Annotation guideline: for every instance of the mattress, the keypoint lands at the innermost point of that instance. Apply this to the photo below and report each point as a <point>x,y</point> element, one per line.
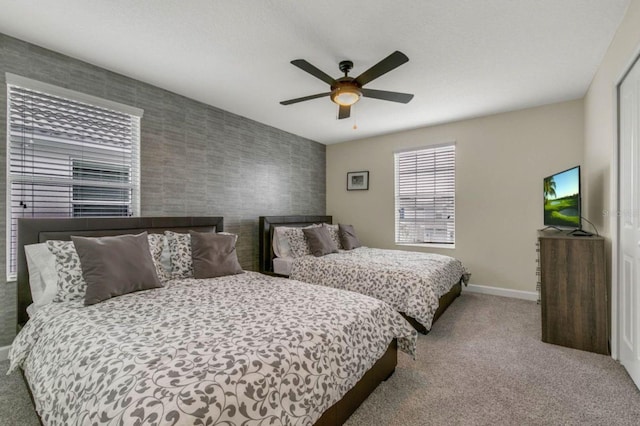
<point>283,265</point>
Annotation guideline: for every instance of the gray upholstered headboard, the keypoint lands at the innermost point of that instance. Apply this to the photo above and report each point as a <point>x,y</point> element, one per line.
<point>32,231</point>
<point>266,226</point>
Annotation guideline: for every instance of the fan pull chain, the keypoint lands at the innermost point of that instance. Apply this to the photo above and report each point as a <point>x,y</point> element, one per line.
<point>355,121</point>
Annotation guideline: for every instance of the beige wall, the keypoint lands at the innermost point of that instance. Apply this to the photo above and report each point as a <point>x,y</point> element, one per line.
<point>600,133</point>
<point>600,111</point>
<point>500,160</point>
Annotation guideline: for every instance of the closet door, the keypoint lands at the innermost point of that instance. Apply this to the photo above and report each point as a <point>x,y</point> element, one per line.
<point>629,224</point>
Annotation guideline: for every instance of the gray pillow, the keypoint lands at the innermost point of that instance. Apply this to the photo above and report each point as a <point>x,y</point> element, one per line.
<point>319,241</point>
<point>348,237</point>
<point>113,266</point>
<point>214,255</point>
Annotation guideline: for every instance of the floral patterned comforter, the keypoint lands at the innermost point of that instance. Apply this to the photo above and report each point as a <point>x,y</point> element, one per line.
<point>411,282</point>
<point>243,349</point>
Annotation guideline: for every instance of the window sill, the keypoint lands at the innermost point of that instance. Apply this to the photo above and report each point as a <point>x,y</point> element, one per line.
<point>427,245</point>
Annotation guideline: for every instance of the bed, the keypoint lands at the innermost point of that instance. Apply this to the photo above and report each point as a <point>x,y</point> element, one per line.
<point>245,348</point>
<point>418,285</point>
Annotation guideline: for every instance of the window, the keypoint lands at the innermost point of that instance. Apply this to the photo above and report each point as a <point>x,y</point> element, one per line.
<point>69,155</point>
<point>91,200</point>
<point>425,195</point>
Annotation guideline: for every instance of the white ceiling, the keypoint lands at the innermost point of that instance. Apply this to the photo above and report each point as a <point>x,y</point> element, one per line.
<point>467,58</point>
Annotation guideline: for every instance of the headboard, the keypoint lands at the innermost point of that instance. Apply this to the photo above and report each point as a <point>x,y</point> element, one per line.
<point>266,226</point>
<point>33,231</point>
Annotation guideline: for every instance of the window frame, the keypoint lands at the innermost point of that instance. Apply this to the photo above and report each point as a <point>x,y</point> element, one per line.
<point>12,80</point>
<point>434,244</point>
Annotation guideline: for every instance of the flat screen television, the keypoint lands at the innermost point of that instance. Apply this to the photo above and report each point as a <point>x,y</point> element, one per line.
<point>562,199</point>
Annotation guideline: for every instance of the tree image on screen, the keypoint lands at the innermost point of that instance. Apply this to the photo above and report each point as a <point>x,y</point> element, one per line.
<point>562,199</point>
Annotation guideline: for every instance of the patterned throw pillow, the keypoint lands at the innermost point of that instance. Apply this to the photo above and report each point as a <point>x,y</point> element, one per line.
<point>297,241</point>
<point>334,233</point>
<point>235,236</point>
<point>71,285</point>
<point>156,246</point>
<point>180,252</point>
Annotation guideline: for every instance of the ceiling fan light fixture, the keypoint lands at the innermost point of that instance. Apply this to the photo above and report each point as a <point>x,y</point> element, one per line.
<point>346,91</point>
<point>346,96</point>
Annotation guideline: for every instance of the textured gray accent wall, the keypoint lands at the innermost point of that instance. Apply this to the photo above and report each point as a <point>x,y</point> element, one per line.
<point>195,159</point>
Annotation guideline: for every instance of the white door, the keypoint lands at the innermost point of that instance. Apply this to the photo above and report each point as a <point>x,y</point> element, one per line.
<point>629,224</point>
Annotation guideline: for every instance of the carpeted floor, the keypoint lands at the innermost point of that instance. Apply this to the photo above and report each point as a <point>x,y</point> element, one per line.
<point>482,364</point>
<point>15,405</point>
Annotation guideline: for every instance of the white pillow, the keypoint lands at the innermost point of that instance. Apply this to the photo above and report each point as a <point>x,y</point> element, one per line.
<point>230,233</point>
<point>165,258</point>
<point>43,276</point>
<point>280,243</point>
<point>31,310</point>
<point>157,245</point>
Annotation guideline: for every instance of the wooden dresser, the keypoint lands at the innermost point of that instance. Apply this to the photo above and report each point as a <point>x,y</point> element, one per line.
<point>573,291</point>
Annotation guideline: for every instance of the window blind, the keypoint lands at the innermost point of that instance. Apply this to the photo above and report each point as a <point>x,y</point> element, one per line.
<point>425,195</point>
<point>68,158</point>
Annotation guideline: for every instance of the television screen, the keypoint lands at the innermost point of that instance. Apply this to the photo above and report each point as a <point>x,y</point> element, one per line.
<point>562,199</point>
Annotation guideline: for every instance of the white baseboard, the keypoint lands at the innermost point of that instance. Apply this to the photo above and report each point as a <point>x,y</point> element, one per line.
<point>4,352</point>
<point>504,292</point>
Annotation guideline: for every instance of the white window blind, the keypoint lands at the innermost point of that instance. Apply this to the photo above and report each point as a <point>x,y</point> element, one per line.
<point>425,195</point>
<point>68,158</point>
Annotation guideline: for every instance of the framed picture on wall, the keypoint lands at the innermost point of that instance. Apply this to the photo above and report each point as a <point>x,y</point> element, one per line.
<point>357,181</point>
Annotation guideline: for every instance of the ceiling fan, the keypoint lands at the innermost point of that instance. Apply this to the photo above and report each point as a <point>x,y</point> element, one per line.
<point>346,91</point>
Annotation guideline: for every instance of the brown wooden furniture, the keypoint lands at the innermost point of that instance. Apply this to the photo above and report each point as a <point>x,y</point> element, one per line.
<point>574,291</point>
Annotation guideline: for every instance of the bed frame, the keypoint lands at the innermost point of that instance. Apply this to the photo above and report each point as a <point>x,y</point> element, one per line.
<point>267,225</point>
<point>33,231</point>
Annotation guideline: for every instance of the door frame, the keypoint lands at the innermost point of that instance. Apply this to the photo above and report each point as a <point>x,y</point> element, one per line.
<point>614,211</point>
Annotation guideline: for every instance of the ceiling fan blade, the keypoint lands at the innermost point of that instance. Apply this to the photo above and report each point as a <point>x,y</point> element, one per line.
<point>384,66</point>
<point>403,98</point>
<point>306,66</point>
<point>306,98</point>
<point>344,111</point>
